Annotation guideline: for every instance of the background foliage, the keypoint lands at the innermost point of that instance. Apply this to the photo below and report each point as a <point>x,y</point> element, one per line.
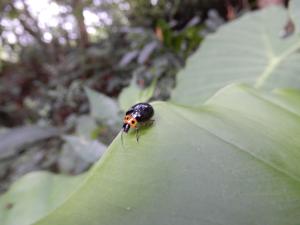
<point>252,156</point>
<point>51,54</point>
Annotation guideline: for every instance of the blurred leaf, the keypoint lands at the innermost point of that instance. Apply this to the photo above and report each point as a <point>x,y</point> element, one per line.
<point>193,37</point>
<point>248,50</point>
<point>166,32</point>
<point>134,94</point>
<point>231,165</point>
<point>81,150</point>
<point>15,138</point>
<point>85,127</point>
<point>128,57</point>
<point>182,42</point>
<point>96,52</point>
<point>102,107</point>
<point>294,9</point>
<point>69,161</point>
<point>34,196</point>
<point>89,150</point>
<point>147,51</point>
<point>13,14</point>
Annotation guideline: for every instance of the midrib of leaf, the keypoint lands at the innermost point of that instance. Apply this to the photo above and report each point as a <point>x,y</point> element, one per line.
<point>274,61</point>
<point>241,149</point>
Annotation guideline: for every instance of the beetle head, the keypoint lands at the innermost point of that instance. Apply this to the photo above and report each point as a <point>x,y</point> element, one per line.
<point>126,127</point>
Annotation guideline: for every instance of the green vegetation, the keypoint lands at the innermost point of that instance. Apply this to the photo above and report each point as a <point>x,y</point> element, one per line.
<point>223,150</point>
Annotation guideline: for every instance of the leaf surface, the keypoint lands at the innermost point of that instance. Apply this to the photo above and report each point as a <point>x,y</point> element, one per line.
<point>233,166</point>
<point>34,196</point>
<point>248,50</point>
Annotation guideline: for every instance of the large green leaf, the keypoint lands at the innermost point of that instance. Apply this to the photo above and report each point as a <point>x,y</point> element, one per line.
<point>248,50</point>
<point>234,160</point>
<point>34,196</point>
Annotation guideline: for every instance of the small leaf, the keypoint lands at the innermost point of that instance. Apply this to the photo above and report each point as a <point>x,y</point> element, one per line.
<point>89,150</point>
<point>86,126</point>
<point>128,57</point>
<point>15,138</point>
<point>134,94</point>
<point>147,51</point>
<point>294,9</point>
<point>102,107</point>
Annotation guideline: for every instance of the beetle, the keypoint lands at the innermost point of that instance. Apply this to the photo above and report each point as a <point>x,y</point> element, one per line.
<point>138,115</point>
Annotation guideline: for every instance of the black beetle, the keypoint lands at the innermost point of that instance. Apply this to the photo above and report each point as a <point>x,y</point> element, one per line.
<point>137,115</point>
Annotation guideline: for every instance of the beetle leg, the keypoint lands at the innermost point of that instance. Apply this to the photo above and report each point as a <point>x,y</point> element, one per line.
<point>147,123</point>
<point>137,134</point>
<point>151,122</point>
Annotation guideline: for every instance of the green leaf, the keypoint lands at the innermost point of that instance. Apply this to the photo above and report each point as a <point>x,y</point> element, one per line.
<point>288,98</point>
<point>294,8</point>
<point>103,108</point>
<point>85,126</point>
<point>87,149</point>
<point>134,94</point>
<point>15,138</point>
<point>248,50</point>
<point>234,160</point>
<point>34,196</point>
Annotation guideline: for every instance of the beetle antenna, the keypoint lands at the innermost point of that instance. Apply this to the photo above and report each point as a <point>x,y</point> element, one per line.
<point>122,139</point>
